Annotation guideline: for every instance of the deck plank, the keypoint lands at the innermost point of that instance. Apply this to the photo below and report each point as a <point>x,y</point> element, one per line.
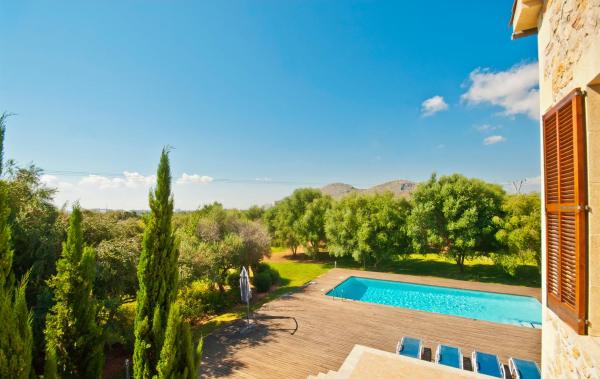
<point>309,332</point>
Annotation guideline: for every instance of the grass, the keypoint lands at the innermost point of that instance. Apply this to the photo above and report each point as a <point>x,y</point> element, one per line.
<point>293,276</point>
<point>481,269</point>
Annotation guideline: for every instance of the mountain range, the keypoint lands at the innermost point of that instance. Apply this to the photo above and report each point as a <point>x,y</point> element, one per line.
<point>401,188</point>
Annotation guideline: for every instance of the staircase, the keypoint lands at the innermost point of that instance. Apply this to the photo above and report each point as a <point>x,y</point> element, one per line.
<point>366,362</point>
<point>330,374</point>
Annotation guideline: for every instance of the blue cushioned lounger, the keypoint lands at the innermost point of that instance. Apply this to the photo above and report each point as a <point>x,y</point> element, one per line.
<point>522,369</point>
<point>449,356</point>
<point>410,347</point>
<point>487,364</point>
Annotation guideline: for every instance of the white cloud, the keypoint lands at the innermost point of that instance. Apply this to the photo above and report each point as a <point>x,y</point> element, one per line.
<point>49,180</point>
<point>128,180</point>
<point>433,105</point>
<point>515,90</point>
<point>193,179</point>
<point>493,139</point>
<point>53,182</point>
<point>487,127</point>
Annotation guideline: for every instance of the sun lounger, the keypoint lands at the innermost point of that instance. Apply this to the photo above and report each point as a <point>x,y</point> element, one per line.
<point>487,364</point>
<point>449,356</point>
<point>410,347</point>
<point>522,369</point>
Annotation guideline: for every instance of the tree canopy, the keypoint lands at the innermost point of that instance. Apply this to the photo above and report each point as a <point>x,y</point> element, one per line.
<point>16,337</point>
<point>520,230</point>
<point>369,227</point>
<point>215,240</point>
<point>298,219</point>
<point>454,215</point>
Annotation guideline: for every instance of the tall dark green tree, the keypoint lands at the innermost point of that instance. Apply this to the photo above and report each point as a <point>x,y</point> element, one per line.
<point>16,338</point>
<point>177,359</point>
<point>157,276</point>
<point>74,341</point>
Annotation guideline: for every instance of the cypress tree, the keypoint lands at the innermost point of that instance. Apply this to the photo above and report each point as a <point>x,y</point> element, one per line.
<point>177,359</point>
<point>74,344</point>
<point>157,276</point>
<point>16,338</point>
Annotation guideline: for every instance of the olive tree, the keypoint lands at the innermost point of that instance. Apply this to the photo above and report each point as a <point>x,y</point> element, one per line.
<point>368,227</point>
<point>215,240</point>
<point>311,226</point>
<point>299,219</point>
<point>520,231</point>
<point>454,215</point>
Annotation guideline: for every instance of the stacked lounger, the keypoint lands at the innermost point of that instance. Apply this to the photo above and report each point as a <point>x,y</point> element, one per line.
<point>410,347</point>
<point>483,363</point>
<point>487,364</point>
<point>449,356</point>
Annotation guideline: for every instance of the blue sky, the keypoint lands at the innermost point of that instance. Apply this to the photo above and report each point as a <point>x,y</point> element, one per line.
<point>258,98</point>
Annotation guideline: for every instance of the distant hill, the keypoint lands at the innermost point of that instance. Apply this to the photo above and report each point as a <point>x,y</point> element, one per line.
<point>401,188</point>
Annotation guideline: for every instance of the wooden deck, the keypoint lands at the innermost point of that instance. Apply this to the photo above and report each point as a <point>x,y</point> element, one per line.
<point>307,332</point>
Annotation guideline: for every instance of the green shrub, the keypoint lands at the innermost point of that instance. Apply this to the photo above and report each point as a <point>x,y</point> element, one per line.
<point>275,277</point>
<point>262,267</point>
<point>262,281</point>
<point>233,279</point>
<point>200,299</point>
<point>119,331</point>
<point>273,273</point>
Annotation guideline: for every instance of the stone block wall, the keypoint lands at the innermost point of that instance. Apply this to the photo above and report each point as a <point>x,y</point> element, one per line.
<point>569,58</point>
<point>572,25</point>
<point>566,354</point>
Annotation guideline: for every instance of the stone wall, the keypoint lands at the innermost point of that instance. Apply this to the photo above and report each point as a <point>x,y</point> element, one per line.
<point>566,355</point>
<point>569,58</point>
<point>572,26</point>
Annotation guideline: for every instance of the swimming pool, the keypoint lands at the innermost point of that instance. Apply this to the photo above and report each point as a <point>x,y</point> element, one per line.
<point>488,306</point>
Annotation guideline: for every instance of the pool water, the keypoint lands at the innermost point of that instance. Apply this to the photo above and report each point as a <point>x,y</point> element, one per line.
<point>488,306</point>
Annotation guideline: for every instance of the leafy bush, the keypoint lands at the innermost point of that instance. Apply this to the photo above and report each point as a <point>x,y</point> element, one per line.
<point>200,299</point>
<point>263,281</point>
<point>262,267</point>
<point>120,329</point>
<point>275,277</point>
<point>233,279</point>
<point>514,265</point>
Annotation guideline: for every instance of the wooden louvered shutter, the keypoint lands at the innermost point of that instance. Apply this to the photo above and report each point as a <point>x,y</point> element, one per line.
<point>566,206</point>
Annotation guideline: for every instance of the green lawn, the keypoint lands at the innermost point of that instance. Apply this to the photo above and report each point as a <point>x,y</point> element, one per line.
<point>481,269</point>
<point>293,276</point>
